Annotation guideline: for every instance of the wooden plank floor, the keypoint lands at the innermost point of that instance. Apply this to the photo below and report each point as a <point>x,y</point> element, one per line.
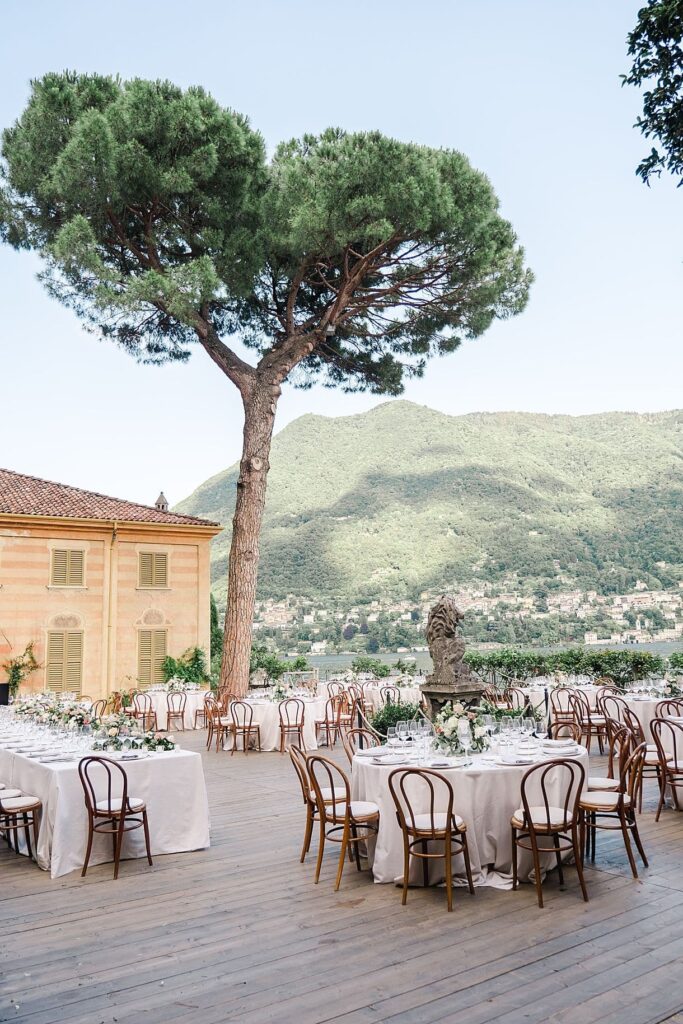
<point>240,933</point>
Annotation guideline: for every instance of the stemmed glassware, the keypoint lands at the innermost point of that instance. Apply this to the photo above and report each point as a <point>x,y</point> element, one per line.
<point>465,735</point>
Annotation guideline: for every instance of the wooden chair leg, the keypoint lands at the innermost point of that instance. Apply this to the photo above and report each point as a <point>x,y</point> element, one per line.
<point>558,858</point>
<point>448,858</point>
<point>118,837</point>
<point>627,843</point>
<point>537,867</point>
<point>145,828</point>
<point>27,835</point>
<point>307,834</point>
<point>578,859</point>
<point>515,880</point>
<point>639,845</point>
<point>468,866</point>
<point>89,846</point>
<point>342,857</point>
<point>321,849</point>
<point>406,869</point>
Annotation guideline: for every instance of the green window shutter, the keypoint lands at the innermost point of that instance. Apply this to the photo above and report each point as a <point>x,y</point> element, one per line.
<point>75,568</point>
<point>73,666</point>
<point>145,656</point>
<point>60,568</point>
<point>160,569</point>
<point>68,568</point>
<point>146,569</point>
<point>158,655</point>
<point>54,662</point>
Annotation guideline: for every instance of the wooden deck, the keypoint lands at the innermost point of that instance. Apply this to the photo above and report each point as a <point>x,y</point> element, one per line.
<point>240,933</point>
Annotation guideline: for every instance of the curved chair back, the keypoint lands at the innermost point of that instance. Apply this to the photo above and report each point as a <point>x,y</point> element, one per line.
<point>518,698</point>
<point>390,695</point>
<point>292,712</point>
<point>612,706</point>
<point>331,788</point>
<point>298,759</point>
<point>632,722</point>
<point>334,689</point>
<point>142,702</point>
<point>422,787</point>
<point>671,708</point>
<point>539,779</point>
<point>176,701</point>
<point>560,701</point>
<point>99,707</point>
<point>668,736</point>
<point>242,713</point>
<point>101,775</point>
<point>358,739</point>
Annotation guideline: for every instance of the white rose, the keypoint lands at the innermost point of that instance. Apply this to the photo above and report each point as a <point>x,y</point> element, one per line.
<point>458,708</point>
<point>479,731</point>
<point>113,731</point>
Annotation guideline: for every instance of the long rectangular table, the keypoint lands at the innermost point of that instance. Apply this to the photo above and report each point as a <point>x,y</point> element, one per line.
<point>171,784</point>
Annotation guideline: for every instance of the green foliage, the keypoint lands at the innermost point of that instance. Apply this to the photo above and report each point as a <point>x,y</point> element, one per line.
<point>656,45</point>
<point>391,714</point>
<point>262,658</point>
<point>406,668</point>
<point>676,661</point>
<point>597,494</point>
<point>509,666</point>
<point>190,666</point>
<point>20,668</point>
<point>161,224</point>
<point>298,664</point>
<point>216,632</point>
<point>372,666</point>
<point>141,198</point>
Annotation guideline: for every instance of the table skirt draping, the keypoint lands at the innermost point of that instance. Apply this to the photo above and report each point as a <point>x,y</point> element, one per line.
<point>486,796</point>
<point>195,702</point>
<point>170,783</point>
<point>408,694</point>
<point>267,716</point>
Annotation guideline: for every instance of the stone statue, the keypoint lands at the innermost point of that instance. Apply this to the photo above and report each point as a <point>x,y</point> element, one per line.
<point>451,678</point>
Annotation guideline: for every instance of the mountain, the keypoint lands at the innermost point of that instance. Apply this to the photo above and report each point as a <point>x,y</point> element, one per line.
<point>402,499</point>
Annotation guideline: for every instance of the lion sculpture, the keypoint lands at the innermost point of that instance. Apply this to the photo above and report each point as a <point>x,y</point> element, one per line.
<point>446,647</point>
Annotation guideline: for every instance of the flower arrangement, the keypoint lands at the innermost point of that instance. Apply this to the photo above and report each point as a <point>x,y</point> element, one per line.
<point>118,730</point>
<point>280,692</point>
<point>487,707</point>
<point>157,741</point>
<point>673,690</point>
<point>446,728</point>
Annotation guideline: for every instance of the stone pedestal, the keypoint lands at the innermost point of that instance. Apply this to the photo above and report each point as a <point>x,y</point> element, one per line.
<point>438,695</point>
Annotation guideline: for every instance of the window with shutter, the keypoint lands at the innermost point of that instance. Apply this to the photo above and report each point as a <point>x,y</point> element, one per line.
<point>64,661</point>
<point>153,569</point>
<point>152,648</point>
<point>68,567</point>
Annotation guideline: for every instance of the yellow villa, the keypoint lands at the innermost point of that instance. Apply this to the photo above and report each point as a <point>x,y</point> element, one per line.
<point>104,588</point>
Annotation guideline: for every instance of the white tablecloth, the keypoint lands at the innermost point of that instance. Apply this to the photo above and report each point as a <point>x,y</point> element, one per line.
<point>195,702</point>
<point>267,716</point>
<point>171,784</point>
<point>409,694</point>
<point>537,695</point>
<point>486,796</point>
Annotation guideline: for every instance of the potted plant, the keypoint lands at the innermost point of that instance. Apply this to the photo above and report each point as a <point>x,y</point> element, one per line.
<point>17,670</point>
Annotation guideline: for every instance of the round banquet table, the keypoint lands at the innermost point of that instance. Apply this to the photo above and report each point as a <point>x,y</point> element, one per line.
<point>409,694</point>
<point>486,796</point>
<point>267,716</point>
<point>645,710</point>
<point>195,702</point>
<point>537,695</point>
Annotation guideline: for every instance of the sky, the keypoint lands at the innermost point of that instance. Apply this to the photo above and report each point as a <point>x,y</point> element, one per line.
<point>529,91</point>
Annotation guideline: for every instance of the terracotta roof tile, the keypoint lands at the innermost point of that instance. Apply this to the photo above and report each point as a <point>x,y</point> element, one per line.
<point>30,496</point>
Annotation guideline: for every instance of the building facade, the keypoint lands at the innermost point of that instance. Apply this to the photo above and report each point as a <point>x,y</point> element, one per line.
<point>104,588</point>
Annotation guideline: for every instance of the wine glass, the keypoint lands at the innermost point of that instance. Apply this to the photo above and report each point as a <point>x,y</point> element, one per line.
<point>506,729</point>
<point>402,732</point>
<point>465,735</point>
<point>392,739</point>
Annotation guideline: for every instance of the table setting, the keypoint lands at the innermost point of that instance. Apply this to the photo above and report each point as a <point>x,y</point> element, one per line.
<point>266,708</point>
<point>485,760</point>
<point>41,757</point>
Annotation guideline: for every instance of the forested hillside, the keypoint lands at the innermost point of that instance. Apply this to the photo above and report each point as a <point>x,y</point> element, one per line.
<point>403,498</point>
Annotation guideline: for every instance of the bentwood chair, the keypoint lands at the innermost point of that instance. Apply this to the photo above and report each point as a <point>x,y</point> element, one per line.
<point>592,723</point>
<point>143,711</point>
<point>242,715</point>
<point>652,768</point>
<point>668,735</point>
<point>201,718</point>
<point>175,709</point>
<point>334,689</point>
<point>616,811</point>
<point>330,723</point>
<point>619,744</point>
<point>423,830</point>
<point>292,716</point>
<point>300,762</point>
<point>539,818</point>
<point>612,705</point>
<point>358,739</point>
<point>561,711</point>
<point>111,809</point>
<point>342,820</point>
<point>390,695</point>
<point>669,708</point>
<point>98,708</point>
<point>518,698</point>
<point>18,812</point>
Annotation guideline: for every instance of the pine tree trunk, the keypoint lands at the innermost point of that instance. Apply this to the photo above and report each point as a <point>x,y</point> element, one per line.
<point>259,419</point>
